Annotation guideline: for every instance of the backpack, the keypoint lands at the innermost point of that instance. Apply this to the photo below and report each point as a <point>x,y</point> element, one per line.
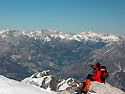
<point>85,86</point>
<point>104,73</point>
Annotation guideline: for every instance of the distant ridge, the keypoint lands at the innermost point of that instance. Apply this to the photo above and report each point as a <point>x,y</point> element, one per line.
<point>47,35</point>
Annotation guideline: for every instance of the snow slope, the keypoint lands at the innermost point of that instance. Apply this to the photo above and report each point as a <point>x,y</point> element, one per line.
<point>8,86</point>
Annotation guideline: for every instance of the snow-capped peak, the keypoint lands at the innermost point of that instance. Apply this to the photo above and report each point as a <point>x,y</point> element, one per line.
<point>48,35</point>
<point>48,80</point>
<point>95,37</point>
<point>2,31</point>
<point>42,74</point>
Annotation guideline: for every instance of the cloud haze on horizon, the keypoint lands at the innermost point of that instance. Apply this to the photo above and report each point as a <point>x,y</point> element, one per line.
<point>101,16</point>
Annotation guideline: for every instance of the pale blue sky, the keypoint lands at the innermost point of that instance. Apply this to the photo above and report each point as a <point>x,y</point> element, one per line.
<point>106,16</point>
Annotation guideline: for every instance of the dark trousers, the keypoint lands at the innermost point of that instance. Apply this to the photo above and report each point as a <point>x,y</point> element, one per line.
<point>89,77</point>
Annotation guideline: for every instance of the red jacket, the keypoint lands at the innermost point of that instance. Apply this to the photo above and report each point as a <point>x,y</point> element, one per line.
<point>97,74</point>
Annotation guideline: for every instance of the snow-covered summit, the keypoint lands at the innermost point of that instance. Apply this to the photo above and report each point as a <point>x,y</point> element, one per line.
<point>95,37</point>
<point>48,35</point>
<point>48,80</point>
<point>2,31</point>
<point>42,74</point>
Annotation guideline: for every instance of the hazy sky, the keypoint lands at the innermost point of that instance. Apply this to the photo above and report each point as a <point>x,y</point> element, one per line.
<point>106,16</point>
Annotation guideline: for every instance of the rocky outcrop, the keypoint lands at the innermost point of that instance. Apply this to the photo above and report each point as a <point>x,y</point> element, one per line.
<point>48,80</point>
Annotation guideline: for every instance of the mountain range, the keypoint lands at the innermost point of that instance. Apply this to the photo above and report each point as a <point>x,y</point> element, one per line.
<point>68,55</point>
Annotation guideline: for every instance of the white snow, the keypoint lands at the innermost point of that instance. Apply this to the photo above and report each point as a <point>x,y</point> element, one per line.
<point>66,83</point>
<point>38,81</point>
<point>63,85</point>
<point>2,31</point>
<point>95,37</point>
<point>8,86</point>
